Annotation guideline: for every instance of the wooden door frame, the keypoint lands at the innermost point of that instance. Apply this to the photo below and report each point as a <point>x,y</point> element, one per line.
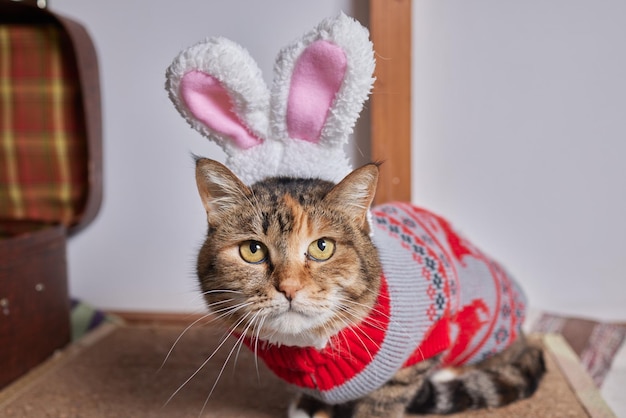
<point>390,31</point>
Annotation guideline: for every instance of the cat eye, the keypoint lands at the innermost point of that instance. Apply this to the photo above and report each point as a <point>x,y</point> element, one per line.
<point>321,249</point>
<point>253,252</point>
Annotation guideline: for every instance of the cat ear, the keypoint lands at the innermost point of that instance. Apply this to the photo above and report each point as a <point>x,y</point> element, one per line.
<point>219,188</point>
<point>218,88</point>
<point>320,85</point>
<point>355,193</point>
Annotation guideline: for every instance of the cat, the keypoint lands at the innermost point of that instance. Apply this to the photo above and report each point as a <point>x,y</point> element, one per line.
<point>318,283</point>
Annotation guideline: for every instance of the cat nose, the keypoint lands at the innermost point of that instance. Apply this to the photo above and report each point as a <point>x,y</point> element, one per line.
<point>289,287</point>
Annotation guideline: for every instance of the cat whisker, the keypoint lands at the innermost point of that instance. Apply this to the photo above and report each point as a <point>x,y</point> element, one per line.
<point>331,331</point>
<point>357,316</point>
<point>256,347</point>
<point>373,324</point>
<point>345,339</point>
<point>208,292</point>
<point>200,295</point>
<point>238,343</point>
<point>228,310</point>
<point>232,330</point>
<point>167,356</point>
<point>343,336</point>
<point>359,338</point>
<point>392,320</point>
<point>243,335</point>
<point>203,317</point>
<point>219,302</point>
<point>355,303</point>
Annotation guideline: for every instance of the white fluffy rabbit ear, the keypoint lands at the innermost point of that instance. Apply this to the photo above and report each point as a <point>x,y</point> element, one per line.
<point>218,88</point>
<point>320,85</point>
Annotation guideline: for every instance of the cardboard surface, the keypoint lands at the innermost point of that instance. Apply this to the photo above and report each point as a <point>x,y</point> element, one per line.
<point>116,372</point>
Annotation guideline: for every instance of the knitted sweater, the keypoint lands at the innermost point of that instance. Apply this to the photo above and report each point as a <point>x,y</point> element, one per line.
<point>439,295</point>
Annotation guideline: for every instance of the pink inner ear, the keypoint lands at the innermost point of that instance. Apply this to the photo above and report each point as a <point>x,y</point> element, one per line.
<point>316,79</point>
<point>210,103</point>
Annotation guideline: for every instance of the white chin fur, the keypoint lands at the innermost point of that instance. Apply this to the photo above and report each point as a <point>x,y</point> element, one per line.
<point>300,340</point>
<point>293,323</point>
<point>293,329</point>
<point>444,375</point>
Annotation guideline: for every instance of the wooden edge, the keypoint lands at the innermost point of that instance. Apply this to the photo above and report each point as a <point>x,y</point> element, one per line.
<point>157,318</point>
<point>390,30</point>
<point>60,358</point>
<point>556,347</point>
<point>580,382</point>
<point>89,81</point>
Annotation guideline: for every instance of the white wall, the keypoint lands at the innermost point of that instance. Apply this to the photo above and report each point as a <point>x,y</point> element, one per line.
<point>520,136</point>
<point>519,112</point>
<point>140,252</point>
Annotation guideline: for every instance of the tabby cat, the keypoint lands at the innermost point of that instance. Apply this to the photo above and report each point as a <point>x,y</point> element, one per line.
<point>362,309</point>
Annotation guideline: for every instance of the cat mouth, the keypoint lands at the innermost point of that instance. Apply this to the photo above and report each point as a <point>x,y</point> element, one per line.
<point>298,313</point>
<point>296,317</point>
<point>293,310</point>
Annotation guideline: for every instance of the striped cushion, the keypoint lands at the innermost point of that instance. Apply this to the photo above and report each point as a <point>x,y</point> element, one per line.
<point>43,152</point>
<point>596,343</point>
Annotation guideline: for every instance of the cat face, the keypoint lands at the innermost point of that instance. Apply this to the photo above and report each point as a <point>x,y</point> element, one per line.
<point>288,260</point>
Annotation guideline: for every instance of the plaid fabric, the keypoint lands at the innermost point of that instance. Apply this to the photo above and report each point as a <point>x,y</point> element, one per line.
<point>43,154</point>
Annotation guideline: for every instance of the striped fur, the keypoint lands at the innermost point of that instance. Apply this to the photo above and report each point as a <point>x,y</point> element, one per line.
<point>284,216</point>
<point>509,376</point>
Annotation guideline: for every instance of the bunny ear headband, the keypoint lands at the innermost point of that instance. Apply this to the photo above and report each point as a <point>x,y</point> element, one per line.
<point>298,128</point>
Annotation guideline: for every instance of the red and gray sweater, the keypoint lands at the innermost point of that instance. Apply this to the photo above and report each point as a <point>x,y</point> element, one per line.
<point>439,295</point>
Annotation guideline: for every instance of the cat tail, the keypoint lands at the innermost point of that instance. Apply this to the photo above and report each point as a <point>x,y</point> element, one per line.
<point>492,383</point>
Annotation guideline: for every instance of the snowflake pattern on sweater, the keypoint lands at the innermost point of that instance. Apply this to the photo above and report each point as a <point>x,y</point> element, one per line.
<point>439,295</point>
